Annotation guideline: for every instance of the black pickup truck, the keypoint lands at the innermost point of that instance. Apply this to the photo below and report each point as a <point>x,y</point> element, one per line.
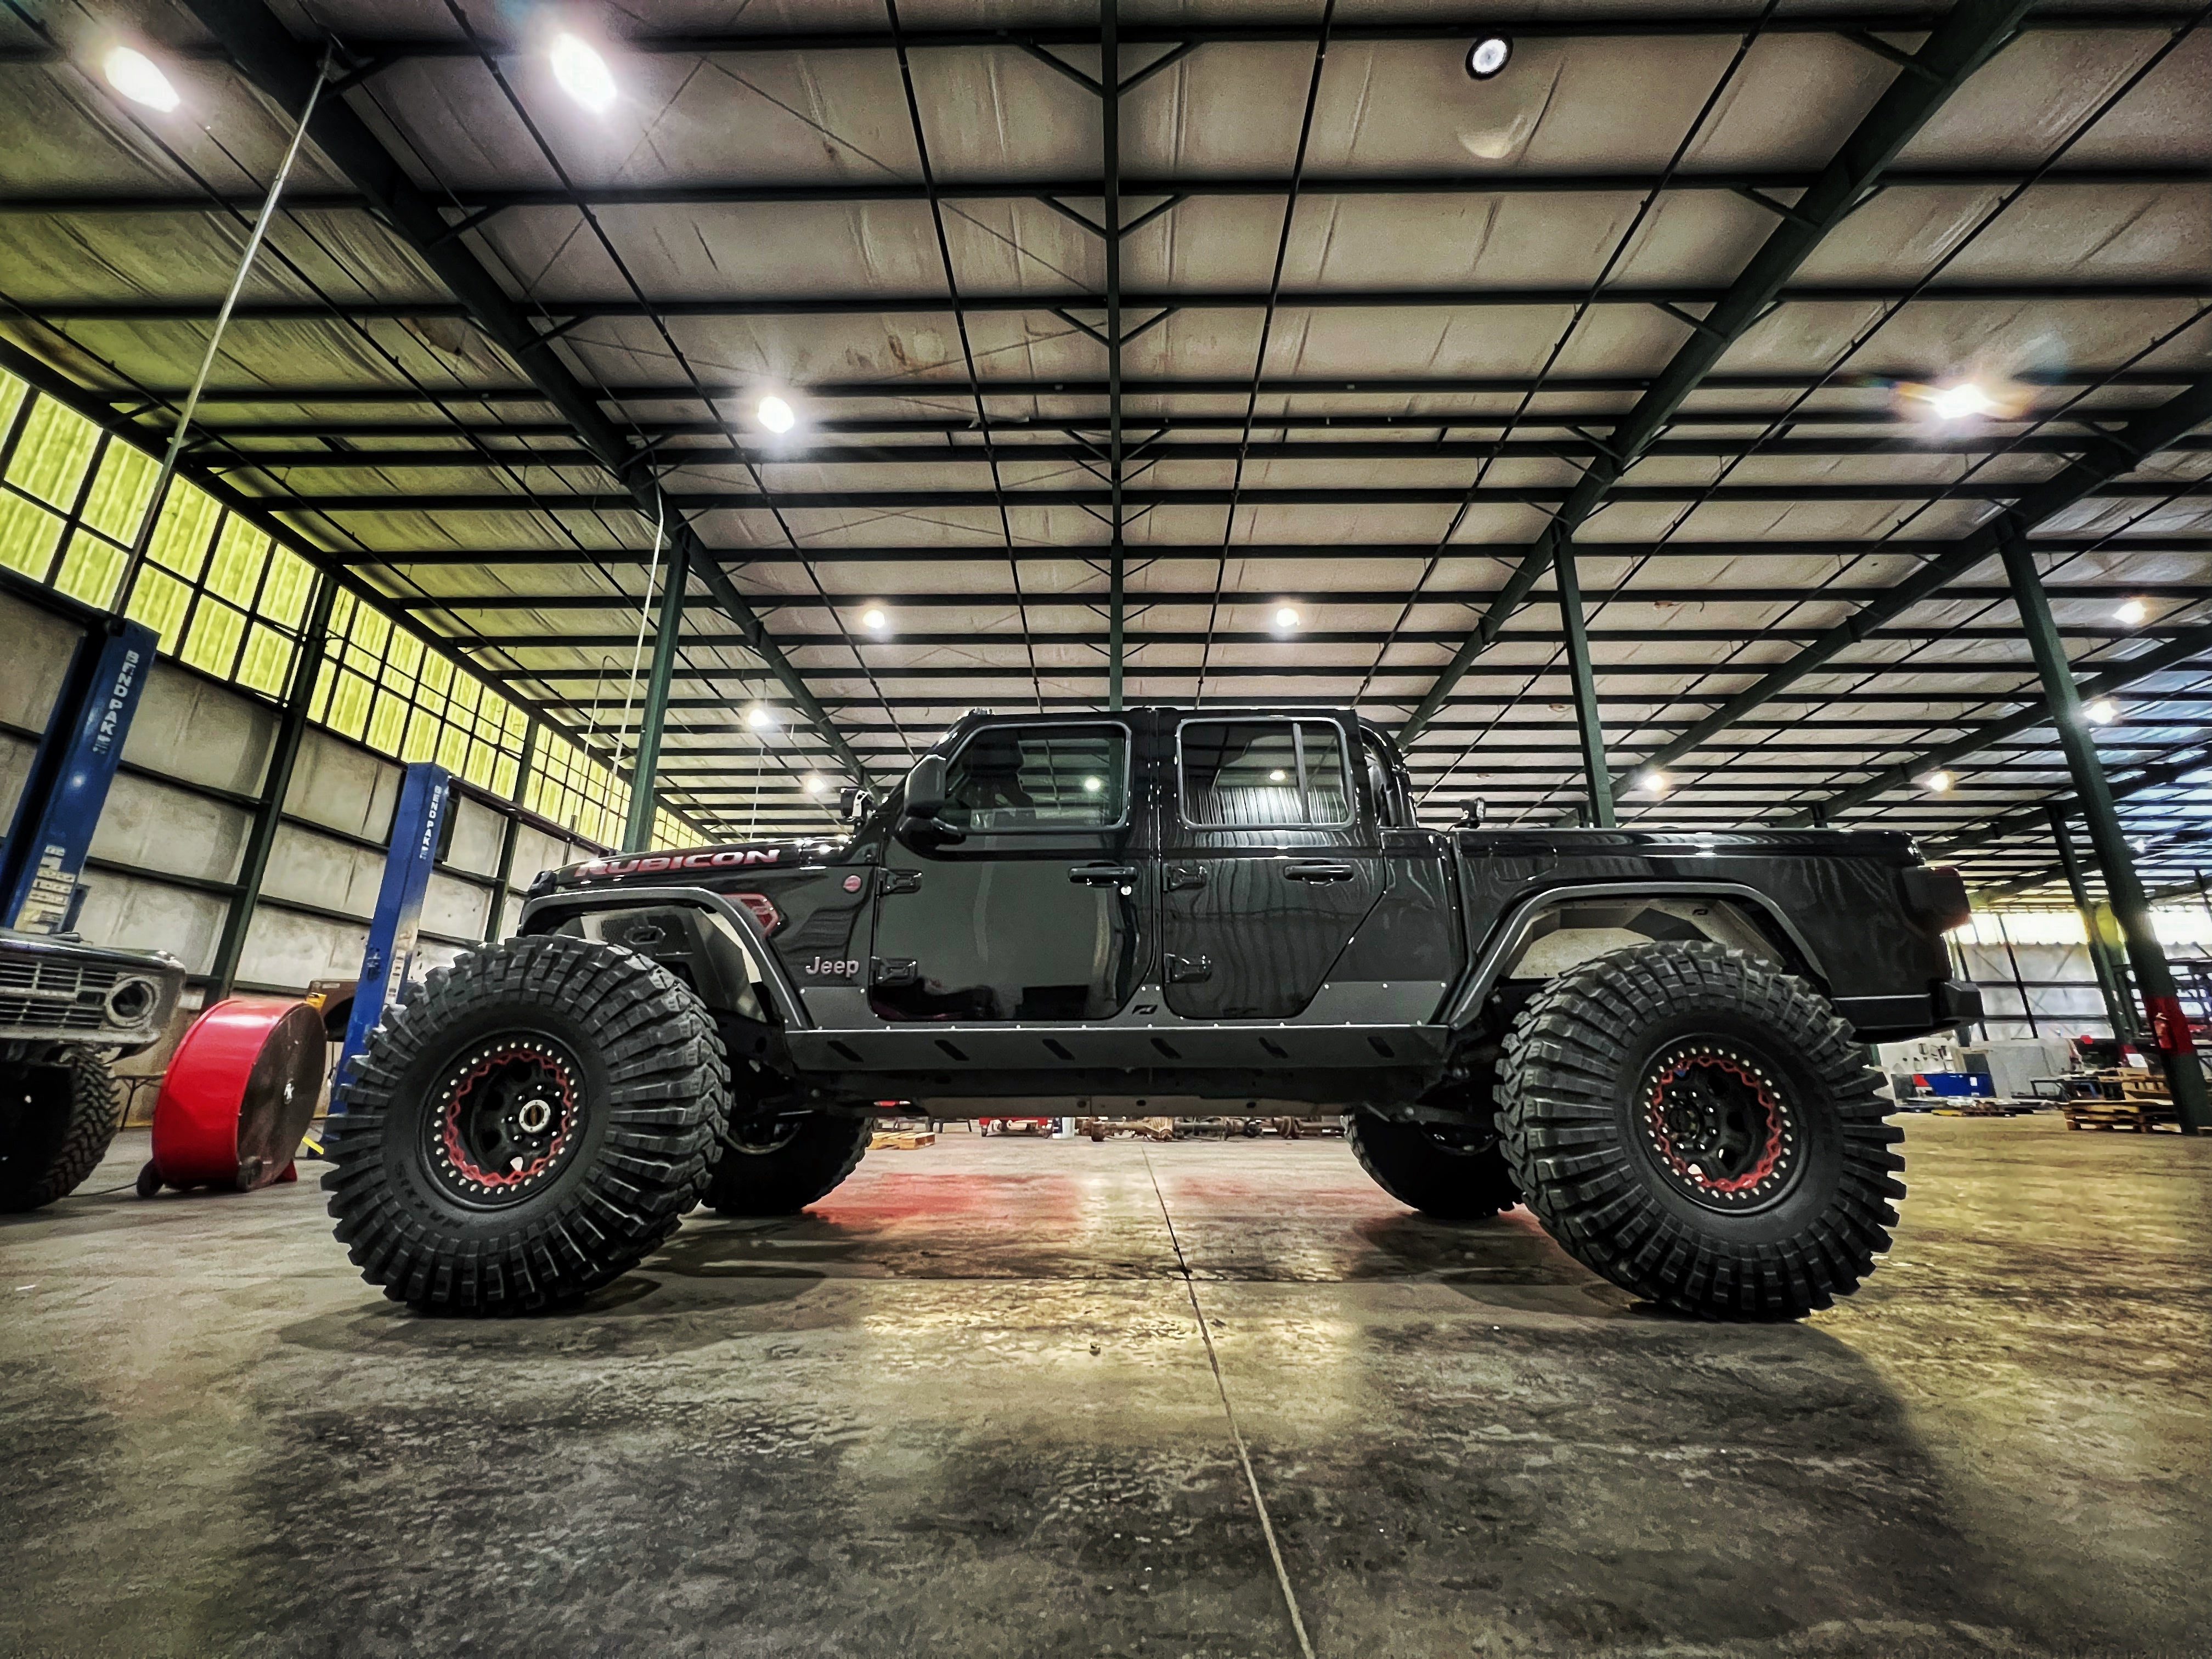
<point>1654,1038</point>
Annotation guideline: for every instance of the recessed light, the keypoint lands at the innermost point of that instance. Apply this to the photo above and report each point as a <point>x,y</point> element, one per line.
<point>776,414</point>
<point>1962,402</point>
<point>138,78</point>
<point>582,73</point>
<point>1488,55</point>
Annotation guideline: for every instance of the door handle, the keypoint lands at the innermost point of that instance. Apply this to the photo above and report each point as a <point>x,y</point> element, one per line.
<point>900,881</point>
<point>1102,875</point>
<point>1188,970</point>
<point>1319,871</point>
<point>1181,877</point>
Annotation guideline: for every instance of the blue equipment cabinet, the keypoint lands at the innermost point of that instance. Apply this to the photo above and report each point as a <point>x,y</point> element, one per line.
<point>418,827</point>
<point>59,807</point>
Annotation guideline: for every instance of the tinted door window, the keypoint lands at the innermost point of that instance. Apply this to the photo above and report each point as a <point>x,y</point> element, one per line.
<point>1256,774</point>
<point>1009,779</point>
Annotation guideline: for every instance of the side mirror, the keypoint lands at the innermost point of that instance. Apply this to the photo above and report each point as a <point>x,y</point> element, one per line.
<point>853,803</point>
<point>925,788</point>
<point>1470,813</point>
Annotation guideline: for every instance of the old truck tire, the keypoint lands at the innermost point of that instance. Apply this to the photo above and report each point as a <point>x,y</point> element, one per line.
<point>56,1122</point>
<point>1439,1171</point>
<point>525,1126</point>
<point>1701,1129</point>
<point>782,1164</point>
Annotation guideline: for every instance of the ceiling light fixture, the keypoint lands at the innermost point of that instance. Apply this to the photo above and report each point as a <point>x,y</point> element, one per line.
<point>1093,785</point>
<point>873,620</point>
<point>1962,402</point>
<point>759,718</point>
<point>1937,782</point>
<point>776,414</point>
<point>1286,618</point>
<point>138,78</point>
<point>1654,780</point>
<point>582,73</point>
<point>2103,711</point>
<point>1278,776</point>
<point>813,785</point>
<point>1488,55</point>
<point>2134,613</point>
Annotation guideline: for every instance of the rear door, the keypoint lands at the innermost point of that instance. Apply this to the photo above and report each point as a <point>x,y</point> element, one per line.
<point>1038,912</point>
<point>1268,864</point>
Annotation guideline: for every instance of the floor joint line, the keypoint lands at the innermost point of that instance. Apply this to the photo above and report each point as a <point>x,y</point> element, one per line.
<point>1229,1412</point>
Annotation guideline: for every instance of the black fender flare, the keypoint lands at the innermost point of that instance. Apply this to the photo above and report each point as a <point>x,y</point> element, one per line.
<point>1511,931</point>
<point>548,911</point>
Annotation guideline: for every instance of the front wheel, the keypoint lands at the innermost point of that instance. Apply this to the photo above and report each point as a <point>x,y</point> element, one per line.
<point>525,1126</point>
<point>1444,1170</point>
<point>1702,1130</point>
<point>56,1122</point>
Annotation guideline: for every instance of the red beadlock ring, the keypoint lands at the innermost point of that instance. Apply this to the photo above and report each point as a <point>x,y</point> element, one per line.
<point>1770,1154</point>
<point>465,1166</point>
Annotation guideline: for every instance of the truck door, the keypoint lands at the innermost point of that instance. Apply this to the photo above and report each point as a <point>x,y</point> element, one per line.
<point>1268,864</point>
<point>1038,913</point>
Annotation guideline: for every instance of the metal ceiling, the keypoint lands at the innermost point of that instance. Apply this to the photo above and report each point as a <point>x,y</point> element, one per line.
<point>1374,341</point>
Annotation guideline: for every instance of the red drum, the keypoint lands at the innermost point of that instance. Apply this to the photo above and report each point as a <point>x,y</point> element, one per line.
<point>237,1097</point>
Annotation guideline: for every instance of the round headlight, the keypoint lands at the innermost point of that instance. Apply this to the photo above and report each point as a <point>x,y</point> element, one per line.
<point>133,1000</point>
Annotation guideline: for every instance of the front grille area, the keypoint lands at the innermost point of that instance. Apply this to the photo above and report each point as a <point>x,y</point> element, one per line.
<point>55,996</point>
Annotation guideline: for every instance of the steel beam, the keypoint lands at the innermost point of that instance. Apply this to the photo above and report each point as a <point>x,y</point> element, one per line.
<point>2118,452</point>
<point>801,193</point>
<point>637,831</point>
<point>2112,988</point>
<point>1589,721</point>
<point>268,55</point>
<point>510,834</point>
<point>870,501</point>
<point>565,314</point>
<point>2174,653</point>
<point>1970,33</point>
<point>276,785</point>
<point>1109,100</point>
<point>2168,1026</point>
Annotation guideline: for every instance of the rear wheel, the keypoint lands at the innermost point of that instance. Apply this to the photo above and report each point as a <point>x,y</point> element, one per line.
<point>1443,1170</point>
<point>56,1122</point>
<point>1702,1130</point>
<point>525,1126</point>
<point>770,1165</point>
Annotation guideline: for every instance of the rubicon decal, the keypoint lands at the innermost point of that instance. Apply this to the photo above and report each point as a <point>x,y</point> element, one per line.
<point>650,862</point>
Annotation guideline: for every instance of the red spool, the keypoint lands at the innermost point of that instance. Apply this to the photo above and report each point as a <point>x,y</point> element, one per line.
<point>237,1096</point>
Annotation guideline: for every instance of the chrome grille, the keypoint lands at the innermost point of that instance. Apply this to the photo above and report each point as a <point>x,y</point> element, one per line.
<point>55,996</point>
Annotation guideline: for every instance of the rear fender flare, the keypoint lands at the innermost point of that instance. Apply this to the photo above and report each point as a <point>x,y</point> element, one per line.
<point>1509,937</point>
<point>548,913</point>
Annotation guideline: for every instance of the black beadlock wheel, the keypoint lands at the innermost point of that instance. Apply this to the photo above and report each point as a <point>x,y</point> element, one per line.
<point>56,1122</point>
<point>525,1126</point>
<point>777,1165</point>
<point>1702,1130</point>
<point>1442,1171</point>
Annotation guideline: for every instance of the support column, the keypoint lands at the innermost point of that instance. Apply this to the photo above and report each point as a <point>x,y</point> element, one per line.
<point>2019,983</point>
<point>1588,722</point>
<point>1109,98</point>
<point>496,913</point>
<point>637,834</point>
<point>2169,1027</point>
<point>276,785</point>
<point>2111,985</point>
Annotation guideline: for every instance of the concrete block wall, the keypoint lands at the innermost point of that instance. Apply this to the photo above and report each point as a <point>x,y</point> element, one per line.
<point>180,815</point>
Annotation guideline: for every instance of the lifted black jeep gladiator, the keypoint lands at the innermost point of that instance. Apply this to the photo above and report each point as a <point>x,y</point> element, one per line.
<point>1654,1038</point>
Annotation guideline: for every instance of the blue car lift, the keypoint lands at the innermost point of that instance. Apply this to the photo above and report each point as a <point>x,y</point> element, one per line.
<point>419,825</point>
<point>59,808</point>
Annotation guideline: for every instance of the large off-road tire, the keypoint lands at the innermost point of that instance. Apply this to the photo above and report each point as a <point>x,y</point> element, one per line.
<point>1702,1129</point>
<point>525,1126</point>
<point>780,1165</point>
<point>1443,1172</point>
<point>56,1124</point>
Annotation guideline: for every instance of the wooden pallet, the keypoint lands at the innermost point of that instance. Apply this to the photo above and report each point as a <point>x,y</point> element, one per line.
<point>901,1140</point>
<point>2141,1115</point>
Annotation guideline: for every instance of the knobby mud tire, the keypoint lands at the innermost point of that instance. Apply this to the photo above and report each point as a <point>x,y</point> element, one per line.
<point>624,1089</point>
<point>1620,1082</point>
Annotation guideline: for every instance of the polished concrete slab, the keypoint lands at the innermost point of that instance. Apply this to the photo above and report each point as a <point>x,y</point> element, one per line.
<point>1007,1397</point>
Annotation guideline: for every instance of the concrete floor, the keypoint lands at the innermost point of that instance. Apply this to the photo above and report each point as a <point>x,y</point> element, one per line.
<point>969,1407</point>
